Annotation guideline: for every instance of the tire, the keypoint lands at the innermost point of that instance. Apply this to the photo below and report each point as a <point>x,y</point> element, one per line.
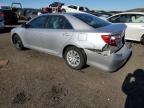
<point>17,42</point>
<point>75,58</point>
<point>63,10</point>
<point>142,40</point>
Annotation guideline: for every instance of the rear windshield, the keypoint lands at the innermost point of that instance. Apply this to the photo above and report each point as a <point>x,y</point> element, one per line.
<point>91,20</point>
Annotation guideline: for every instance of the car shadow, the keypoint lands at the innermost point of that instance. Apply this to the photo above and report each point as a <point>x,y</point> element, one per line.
<point>133,87</point>
<point>135,42</point>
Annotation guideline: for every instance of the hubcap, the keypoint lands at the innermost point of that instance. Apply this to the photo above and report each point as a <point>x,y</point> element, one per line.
<point>18,45</point>
<point>17,42</point>
<point>73,58</point>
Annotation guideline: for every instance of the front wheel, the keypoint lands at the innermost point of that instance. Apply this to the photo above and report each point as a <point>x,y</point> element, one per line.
<point>142,40</point>
<point>17,42</point>
<point>75,58</point>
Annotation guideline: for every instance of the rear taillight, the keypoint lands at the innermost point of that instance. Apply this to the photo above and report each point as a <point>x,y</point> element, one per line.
<point>106,38</point>
<point>110,40</point>
<point>113,41</point>
<point>1,14</point>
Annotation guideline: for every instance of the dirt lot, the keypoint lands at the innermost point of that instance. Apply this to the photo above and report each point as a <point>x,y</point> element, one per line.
<point>37,80</point>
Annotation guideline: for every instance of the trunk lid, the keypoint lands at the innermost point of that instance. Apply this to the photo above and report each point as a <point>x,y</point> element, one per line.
<point>117,32</point>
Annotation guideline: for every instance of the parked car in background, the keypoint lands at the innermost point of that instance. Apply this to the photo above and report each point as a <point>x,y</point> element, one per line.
<point>104,16</point>
<point>28,13</point>
<point>77,37</point>
<point>46,10</point>
<point>134,22</point>
<point>17,8</point>
<point>8,15</point>
<point>31,15</point>
<point>56,6</point>
<point>74,8</point>
<point>1,22</point>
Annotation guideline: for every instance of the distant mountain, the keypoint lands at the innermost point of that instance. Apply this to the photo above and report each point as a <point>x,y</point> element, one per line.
<point>136,10</point>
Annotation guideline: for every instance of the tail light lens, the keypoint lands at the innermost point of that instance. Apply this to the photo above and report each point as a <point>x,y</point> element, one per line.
<point>2,15</point>
<point>110,40</point>
<point>106,38</point>
<point>113,41</point>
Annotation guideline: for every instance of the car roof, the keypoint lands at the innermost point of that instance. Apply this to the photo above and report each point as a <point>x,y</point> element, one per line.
<point>132,13</point>
<point>142,13</point>
<point>68,13</point>
<point>76,5</point>
<point>129,13</point>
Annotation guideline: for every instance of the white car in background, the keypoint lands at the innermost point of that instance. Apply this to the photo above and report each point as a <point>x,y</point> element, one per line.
<point>74,8</point>
<point>134,22</point>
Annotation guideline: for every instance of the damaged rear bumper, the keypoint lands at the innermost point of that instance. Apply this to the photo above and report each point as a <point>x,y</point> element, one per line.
<point>110,62</point>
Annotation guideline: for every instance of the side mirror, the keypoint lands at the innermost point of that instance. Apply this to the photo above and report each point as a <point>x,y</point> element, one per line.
<point>25,25</point>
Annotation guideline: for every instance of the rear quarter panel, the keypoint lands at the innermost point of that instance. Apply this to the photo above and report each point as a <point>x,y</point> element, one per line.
<point>87,40</point>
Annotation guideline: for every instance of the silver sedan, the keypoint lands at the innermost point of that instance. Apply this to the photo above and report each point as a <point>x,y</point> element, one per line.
<point>80,38</point>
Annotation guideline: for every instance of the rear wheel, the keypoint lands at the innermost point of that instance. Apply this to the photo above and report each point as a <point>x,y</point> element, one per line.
<point>63,10</point>
<point>75,58</point>
<point>142,40</point>
<point>17,42</point>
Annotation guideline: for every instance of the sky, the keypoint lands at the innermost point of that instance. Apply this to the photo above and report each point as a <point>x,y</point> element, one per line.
<point>107,5</point>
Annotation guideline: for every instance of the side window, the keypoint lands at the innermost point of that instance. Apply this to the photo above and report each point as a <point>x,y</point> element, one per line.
<point>120,19</point>
<point>57,22</point>
<point>137,18</point>
<point>73,7</point>
<point>38,22</point>
<point>114,19</point>
<point>125,18</point>
<point>81,8</point>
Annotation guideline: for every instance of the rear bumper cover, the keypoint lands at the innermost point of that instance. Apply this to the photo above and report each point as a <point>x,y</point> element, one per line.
<point>109,63</point>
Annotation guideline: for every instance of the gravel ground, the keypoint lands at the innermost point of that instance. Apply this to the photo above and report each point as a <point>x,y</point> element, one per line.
<point>37,80</point>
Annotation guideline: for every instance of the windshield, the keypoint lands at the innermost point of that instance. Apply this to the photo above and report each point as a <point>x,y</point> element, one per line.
<point>91,20</point>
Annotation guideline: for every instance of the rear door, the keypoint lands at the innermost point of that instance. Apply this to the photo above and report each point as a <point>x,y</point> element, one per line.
<point>59,31</point>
